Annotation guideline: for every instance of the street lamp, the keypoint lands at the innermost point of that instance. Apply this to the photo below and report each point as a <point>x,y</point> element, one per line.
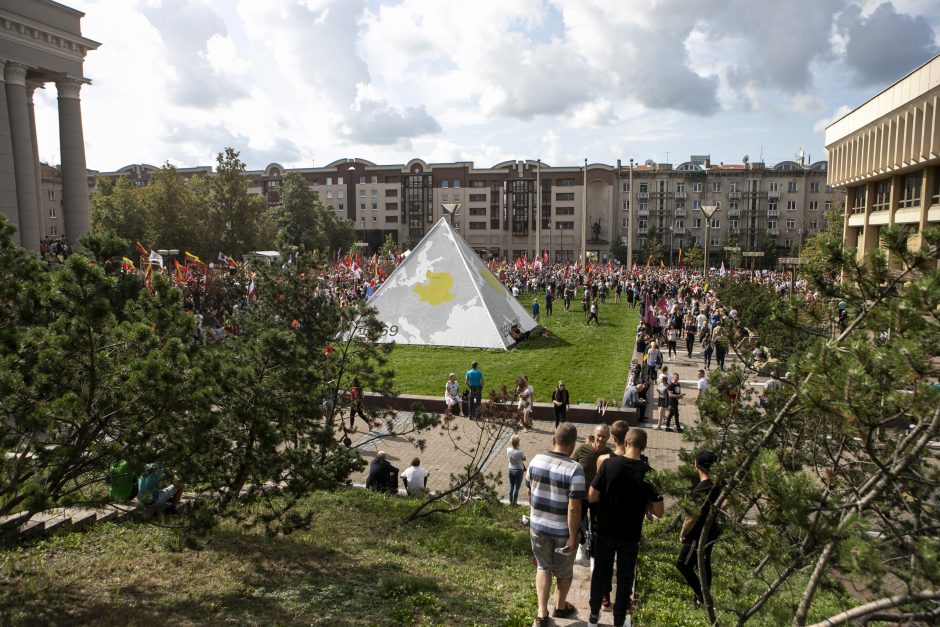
<point>708,211</point>
<point>630,221</point>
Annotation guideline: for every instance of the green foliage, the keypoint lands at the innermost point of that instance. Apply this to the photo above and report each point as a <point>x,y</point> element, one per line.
<point>694,257</point>
<point>241,221</point>
<point>771,253</point>
<point>305,223</point>
<point>389,247</point>
<point>654,245</point>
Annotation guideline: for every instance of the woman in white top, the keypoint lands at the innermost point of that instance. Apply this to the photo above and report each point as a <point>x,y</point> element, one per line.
<point>451,395</point>
<point>525,392</point>
<point>516,468</point>
<point>662,388</point>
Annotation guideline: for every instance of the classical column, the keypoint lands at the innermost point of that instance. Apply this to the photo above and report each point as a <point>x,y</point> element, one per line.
<point>7,171</point>
<point>24,168</point>
<point>74,173</point>
<point>31,87</point>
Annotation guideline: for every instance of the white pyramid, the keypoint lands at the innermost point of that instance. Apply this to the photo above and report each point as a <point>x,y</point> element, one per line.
<point>443,294</point>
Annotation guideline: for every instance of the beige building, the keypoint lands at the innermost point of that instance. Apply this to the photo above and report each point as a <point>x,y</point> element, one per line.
<point>40,43</point>
<point>497,205</point>
<point>885,154</point>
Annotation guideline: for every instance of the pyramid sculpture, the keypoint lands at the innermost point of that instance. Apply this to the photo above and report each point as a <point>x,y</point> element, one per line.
<point>442,294</point>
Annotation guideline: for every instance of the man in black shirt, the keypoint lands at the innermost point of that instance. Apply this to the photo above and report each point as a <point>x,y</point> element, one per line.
<point>623,496</point>
<point>704,492</point>
<point>674,391</point>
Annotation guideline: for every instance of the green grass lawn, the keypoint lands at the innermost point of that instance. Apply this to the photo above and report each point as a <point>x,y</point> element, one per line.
<point>592,360</point>
<point>357,564</point>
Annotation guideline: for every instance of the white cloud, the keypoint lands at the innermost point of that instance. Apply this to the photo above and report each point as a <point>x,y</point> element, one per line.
<point>821,125</point>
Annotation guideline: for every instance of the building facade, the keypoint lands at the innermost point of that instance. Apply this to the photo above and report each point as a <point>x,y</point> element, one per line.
<point>41,43</point>
<point>525,208</point>
<point>885,154</point>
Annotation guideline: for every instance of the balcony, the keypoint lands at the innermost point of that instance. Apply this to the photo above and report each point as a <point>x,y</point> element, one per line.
<point>643,230</point>
<point>773,212</point>
<point>732,213</point>
<point>679,230</point>
<point>773,194</point>
<point>734,195</point>
<point>773,232</point>
<point>680,212</point>
<point>643,213</point>
<point>680,195</point>
<point>643,195</point>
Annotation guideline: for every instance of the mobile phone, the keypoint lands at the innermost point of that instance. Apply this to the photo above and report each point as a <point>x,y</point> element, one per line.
<point>563,550</point>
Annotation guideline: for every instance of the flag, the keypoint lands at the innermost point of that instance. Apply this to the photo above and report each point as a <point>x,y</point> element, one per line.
<point>127,264</point>
<point>193,258</point>
<point>252,291</point>
<point>661,305</point>
<point>545,256</point>
<point>634,267</point>
<point>721,270</point>
<point>649,261</point>
<point>139,248</point>
<point>179,271</point>
<point>650,316</point>
<point>227,260</point>
<point>680,254</point>
<point>661,264</point>
<point>156,258</point>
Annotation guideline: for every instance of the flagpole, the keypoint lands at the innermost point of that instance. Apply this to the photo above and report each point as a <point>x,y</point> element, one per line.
<point>538,207</point>
<point>584,217</point>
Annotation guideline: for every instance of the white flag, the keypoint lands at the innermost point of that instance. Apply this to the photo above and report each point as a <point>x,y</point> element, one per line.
<point>156,258</point>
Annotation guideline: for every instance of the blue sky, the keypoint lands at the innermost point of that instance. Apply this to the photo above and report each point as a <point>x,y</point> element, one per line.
<point>304,82</point>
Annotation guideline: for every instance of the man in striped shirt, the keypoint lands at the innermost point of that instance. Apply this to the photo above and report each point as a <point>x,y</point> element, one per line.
<point>556,488</point>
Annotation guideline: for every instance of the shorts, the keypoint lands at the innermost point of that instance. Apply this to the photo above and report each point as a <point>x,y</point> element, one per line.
<point>162,497</point>
<point>543,548</point>
<point>663,402</point>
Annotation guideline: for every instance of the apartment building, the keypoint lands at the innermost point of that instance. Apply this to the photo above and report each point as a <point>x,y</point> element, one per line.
<point>581,210</point>
<point>885,154</point>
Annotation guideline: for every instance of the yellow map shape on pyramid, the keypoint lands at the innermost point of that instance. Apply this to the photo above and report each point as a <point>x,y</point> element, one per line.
<point>491,280</point>
<point>437,289</point>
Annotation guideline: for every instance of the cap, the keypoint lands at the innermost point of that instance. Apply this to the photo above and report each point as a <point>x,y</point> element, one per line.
<point>705,459</point>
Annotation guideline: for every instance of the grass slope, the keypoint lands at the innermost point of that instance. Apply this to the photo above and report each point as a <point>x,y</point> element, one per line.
<point>592,360</point>
<point>356,565</point>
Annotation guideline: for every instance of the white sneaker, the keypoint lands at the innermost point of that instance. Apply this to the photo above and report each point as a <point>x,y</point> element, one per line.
<point>582,558</point>
<point>628,621</point>
<point>593,621</point>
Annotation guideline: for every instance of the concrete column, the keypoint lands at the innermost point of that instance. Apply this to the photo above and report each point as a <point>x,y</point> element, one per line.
<point>31,87</point>
<point>869,231</point>
<point>26,202</point>
<point>7,172</point>
<point>74,173</point>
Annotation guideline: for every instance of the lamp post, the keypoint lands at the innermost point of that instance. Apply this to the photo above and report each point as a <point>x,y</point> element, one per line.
<point>708,211</point>
<point>630,221</point>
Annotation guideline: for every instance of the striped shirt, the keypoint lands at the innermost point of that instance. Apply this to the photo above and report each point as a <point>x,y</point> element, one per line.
<point>554,479</point>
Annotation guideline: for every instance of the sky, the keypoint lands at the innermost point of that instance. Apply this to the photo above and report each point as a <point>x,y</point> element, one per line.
<point>306,82</point>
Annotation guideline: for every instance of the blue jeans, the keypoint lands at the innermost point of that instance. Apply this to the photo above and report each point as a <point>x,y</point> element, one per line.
<point>476,394</point>
<point>604,552</point>
<point>515,482</point>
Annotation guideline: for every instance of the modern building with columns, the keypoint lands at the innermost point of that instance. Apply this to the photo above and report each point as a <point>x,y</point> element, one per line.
<point>41,43</point>
<point>886,155</point>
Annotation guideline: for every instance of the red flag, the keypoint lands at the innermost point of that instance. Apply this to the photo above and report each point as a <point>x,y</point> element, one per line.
<point>661,305</point>
<point>650,316</point>
<point>545,256</point>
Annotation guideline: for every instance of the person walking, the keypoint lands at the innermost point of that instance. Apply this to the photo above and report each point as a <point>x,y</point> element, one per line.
<point>671,341</point>
<point>560,398</point>
<point>474,379</point>
<point>705,493</point>
<point>556,488</point>
<point>517,468</point>
<point>708,347</point>
<point>549,300</point>
<point>690,330</point>
<point>593,313</point>
<point>674,392</point>
<point>535,309</point>
<point>622,496</point>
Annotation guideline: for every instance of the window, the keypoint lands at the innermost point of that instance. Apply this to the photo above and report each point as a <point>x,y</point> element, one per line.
<point>774,186</point>
<point>375,193</point>
<point>696,223</point>
<point>362,206</point>
<point>51,194</point>
<point>791,205</point>
<point>375,219</point>
<point>478,211</point>
<point>644,188</point>
<point>715,223</point>
<point>52,212</point>
<point>643,223</point>
<point>624,224</point>
<point>362,180</point>
<point>813,225</point>
<point>696,204</point>
<point>626,187</point>
<point>697,186</point>
<point>565,182</point>
<point>391,219</point>
<point>329,195</point>
<point>564,211</point>
<point>828,205</point>
<point>680,223</point>
<point>733,223</point>
<point>680,205</point>
<point>771,224</point>
<point>339,181</point>
<point>362,193</point>
<point>477,183</point>
<point>374,180</point>
<point>564,196</point>
<point>391,193</point>
<point>477,197</point>
<point>791,224</point>
<point>716,186</point>
<point>339,194</point>
<point>814,205</point>
<point>910,190</point>
<point>734,186</point>
<point>661,186</point>
<point>329,180</point>
<point>733,205</point>
<point>445,197</point>
<point>375,206</point>
<point>456,184</point>
<point>788,243</point>
<point>566,226</point>
<point>791,186</point>
<point>52,230</point>
<point>814,186</point>
<point>715,241</point>
<point>680,188</point>
<point>391,206</point>
<point>341,207</point>
<point>444,184</point>
<point>626,205</point>
<point>644,206</point>
<point>478,226</point>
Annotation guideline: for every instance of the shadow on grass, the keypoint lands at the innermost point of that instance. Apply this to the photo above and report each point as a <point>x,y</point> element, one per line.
<point>540,343</point>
